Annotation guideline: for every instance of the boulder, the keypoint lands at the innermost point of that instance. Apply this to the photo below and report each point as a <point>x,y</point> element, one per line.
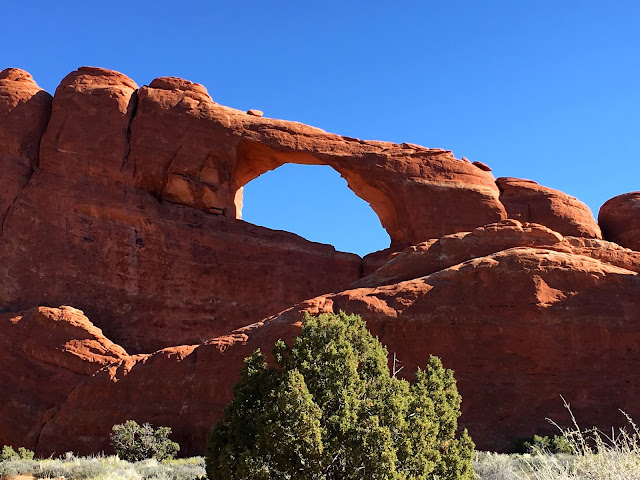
<point>619,219</point>
<point>526,201</point>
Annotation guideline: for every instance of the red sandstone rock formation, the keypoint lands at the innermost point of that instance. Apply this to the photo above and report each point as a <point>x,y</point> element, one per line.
<point>619,218</point>
<point>24,113</point>
<point>208,152</point>
<point>128,207</point>
<point>520,327</point>
<point>527,201</point>
<point>45,353</point>
<point>435,255</point>
<point>151,273</point>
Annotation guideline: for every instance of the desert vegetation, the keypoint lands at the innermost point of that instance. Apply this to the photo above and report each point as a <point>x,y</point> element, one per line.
<point>133,442</point>
<point>595,456</point>
<point>331,409</point>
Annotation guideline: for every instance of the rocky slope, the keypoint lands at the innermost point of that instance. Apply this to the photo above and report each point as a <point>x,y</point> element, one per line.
<point>126,202</point>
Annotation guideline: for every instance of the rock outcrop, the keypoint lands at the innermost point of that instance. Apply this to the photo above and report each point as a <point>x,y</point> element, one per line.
<point>619,219</point>
<point>435,255</point>
<point>151,273</point>
<point>125,201</point>
<point>520,327</point>
<point>208,152</point>
<point>45,353</point>
<point>24,113</point>
<point>527,201</point>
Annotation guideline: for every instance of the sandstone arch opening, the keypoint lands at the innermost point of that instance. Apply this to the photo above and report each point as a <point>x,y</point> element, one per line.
<point>314,201</point>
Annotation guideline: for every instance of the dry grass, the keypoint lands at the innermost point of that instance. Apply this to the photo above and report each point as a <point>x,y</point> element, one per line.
<point>597,456</point>
<point>104,468</point>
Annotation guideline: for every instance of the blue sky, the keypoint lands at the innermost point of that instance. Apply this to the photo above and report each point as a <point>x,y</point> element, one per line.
<point>542,89</point>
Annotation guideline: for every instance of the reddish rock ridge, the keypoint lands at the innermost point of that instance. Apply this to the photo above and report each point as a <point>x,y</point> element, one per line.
<point>45,353</point>
<point>137,190</point>
<point>619,218</point>
<point>435,255</point>
<point>520,327</point>
<point>527,201</point>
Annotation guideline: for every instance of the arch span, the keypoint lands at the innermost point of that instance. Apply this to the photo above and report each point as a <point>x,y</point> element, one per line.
<point>187,149</point>
<point>255,159</point>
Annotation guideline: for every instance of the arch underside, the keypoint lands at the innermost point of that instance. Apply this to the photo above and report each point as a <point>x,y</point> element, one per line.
<point>255,159</point>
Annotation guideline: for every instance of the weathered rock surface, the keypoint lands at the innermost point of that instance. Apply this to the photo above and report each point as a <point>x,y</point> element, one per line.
<point>87,135</point>
<point>619,219</point>
<point>520,327</point>
<point>126,202</point>
<point>45,353</point>
<point>527,201</point>
<point>435,255</point>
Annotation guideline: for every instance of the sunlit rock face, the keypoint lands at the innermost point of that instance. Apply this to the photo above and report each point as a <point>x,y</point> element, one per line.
<point>527,201</point>
<point>125,202</point>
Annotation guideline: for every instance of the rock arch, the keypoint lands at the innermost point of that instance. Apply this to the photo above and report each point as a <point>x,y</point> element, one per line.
<point>254,159</point>
<point>190,150</point>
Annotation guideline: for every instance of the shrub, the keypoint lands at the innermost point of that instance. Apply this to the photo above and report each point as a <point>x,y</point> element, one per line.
<point>133,442</point>
<point>544,444</point>
<point>331,409</point>
<point>8,453</point>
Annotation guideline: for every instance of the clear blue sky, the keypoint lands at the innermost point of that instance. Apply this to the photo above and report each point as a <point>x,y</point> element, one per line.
<point>541,89</point>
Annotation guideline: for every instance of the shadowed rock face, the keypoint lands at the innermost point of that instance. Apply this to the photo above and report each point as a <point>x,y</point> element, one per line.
<point>619,218</point>
<point>126,202</point>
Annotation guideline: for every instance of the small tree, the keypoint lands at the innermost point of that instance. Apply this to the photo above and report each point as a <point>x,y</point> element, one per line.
<point>133,442</point>
<point>330,409</point>
<point>8,454</point>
